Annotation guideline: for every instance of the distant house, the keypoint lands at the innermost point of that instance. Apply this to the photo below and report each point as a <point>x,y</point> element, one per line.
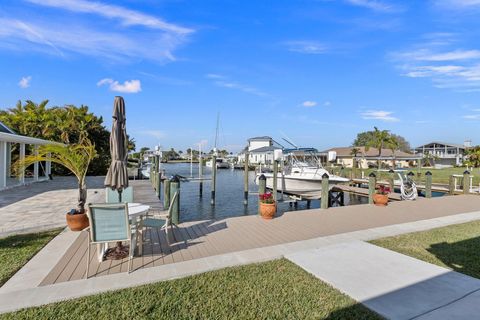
<point>260,150</point>
<point>447,154</point>
<point>14,146</point>
<point>343,157</point>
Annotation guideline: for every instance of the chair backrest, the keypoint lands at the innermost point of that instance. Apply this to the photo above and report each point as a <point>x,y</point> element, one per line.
<point>172,203</point>
<point>113,196</point>
<point>108,222</point>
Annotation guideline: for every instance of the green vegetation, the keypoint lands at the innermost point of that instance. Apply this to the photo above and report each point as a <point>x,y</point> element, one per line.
<point>474,157</point>
<point>16,250</point>
<point>74,157</point>
<point>68,124</point>
<point>272,290</point>
<point>440,176</point>
<point>455,247</point>
<point>366,138</point>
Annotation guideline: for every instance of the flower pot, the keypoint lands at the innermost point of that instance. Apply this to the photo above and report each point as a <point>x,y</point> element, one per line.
<point>380,199</point>
<point>77,222</point>
<point>267,210</point>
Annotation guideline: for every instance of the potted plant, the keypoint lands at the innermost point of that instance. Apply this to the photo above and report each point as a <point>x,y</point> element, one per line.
<point>267,205</point>
<point>380,197</point>
<point>76,158</point>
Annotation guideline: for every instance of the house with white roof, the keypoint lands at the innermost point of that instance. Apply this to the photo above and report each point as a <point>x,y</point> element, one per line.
<point>14,146</point>
<point>260,150</point>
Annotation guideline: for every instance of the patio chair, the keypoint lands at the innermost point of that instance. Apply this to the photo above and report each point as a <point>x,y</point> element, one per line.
<point>112,196</point>
<point>163,220</point>
<point>109,223</point>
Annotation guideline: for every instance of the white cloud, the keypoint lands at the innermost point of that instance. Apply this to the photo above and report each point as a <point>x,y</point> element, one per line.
<point>136,36</point>
<point>379,115</point>
<point>223,81</point>
<point>126,16</point>
<point>458,4</point>
<point>472,117</point>
<point>25,82</point>
<point>447,67</point>
<point>157,134</point>
<point>129,86</point>
<point>327,104</point>
<point>375,5</point>
<point>306,47</point>
<point>309,104</point>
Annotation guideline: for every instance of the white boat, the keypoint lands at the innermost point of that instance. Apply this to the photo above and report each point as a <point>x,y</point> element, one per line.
<point>146,170</point>
<point>221,163</point>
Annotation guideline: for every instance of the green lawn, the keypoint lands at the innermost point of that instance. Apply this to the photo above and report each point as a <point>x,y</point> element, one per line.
<point>16,250</point>
<point>438,175</point>
<point>455,247</point>
<point>271,290</point>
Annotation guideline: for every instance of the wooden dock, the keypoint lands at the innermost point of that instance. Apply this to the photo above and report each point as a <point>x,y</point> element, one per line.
<point>435,187</point>
<point>363,191</point>
<point>197,239</point>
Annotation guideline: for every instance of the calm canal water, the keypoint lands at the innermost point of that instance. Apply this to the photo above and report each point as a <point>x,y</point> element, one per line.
<point>229,194</point>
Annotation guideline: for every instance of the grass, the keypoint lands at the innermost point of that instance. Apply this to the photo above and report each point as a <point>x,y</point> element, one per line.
<point>16,250</point>
<point>455,247</point>
<point>440,176</point>
<point>271,290</point>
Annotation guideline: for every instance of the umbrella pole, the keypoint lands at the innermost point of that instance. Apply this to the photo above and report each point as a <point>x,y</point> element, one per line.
<point>120,250</point>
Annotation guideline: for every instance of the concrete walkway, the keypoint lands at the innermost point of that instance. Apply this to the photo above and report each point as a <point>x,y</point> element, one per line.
<point>41,206</point>
<point>394,285</point>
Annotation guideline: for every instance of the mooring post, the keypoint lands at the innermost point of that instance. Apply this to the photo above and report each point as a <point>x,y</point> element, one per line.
<point>451,185</point>
<point>391,179</point>
<point>159,185</point>
<point>275,178</point>
<point>466,182</point>
<point>245,180</point>
<point>262,188</point>
<point>372,182</point>
<point>214,179</point>
<point>428,184</point>
<point>166,194</point>
<point>200,176</point>
<point>342,172</point>
<point>324,199</point>
<point>175,188</point>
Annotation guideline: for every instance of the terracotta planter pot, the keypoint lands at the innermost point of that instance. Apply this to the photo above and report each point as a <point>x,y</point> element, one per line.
<point>77,222</point>
<point>380,199</point>
<point>267,210</point>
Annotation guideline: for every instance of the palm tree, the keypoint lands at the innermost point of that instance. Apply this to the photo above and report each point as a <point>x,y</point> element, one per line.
<point>378,140</point>
<point>75,157</point>
<point>393,145</point>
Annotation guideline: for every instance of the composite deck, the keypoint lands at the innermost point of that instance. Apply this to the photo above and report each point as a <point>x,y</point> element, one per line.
<point>199,239</point>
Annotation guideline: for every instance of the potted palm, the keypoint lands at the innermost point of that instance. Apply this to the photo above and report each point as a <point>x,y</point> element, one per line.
<point>76,158</point>
<point>268,206</point>
<point>380,197</point>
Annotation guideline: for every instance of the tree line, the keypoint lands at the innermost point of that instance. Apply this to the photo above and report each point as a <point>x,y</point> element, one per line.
<point>67,124</point>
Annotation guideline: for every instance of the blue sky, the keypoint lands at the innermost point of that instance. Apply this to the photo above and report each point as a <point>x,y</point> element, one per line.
<point>317,72</point>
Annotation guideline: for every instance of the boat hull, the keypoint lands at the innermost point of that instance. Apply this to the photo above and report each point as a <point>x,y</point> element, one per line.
<point>297,185</point>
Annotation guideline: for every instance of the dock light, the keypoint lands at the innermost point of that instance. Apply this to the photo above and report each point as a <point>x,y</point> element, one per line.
<point>278,155</point>
<point>372,174</point>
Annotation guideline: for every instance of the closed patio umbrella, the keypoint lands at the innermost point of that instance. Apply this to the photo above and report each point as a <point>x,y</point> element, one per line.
<point>117,175</point>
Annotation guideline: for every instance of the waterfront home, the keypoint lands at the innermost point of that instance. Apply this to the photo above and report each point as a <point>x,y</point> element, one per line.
<point>13,147</point>
<point>344,156</point>
<point>260,150</point>
<point>444,154</point>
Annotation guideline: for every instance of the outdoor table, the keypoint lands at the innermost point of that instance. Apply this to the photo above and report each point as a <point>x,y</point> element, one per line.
<point>136,212</point>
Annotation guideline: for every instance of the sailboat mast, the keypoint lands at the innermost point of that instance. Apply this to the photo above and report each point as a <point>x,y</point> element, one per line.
<point>216,132</point>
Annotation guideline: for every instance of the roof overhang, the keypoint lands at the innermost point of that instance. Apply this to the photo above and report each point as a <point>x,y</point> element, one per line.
<point>15,138</point>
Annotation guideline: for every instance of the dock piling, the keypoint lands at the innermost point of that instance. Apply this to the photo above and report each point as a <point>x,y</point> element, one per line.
<point>166,194</point>
<point>372,182</point>
<point>175,187</point>
<point>262,187</point>
<point>200,176</point>
<point>324,199</point>
<point>428,184</point>
<point>275,177</point>
<point>466,182</point>
<point>159,185</point>
<point>245,181</point>
<point>214,179</point>
<point>451,185</point>
<point>391,179</point>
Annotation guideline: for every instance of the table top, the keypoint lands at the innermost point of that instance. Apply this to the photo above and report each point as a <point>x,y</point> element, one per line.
<point>137,209</point>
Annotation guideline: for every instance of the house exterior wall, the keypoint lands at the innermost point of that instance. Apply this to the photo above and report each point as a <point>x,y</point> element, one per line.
<point>347,162</point>
<point>444,154</point>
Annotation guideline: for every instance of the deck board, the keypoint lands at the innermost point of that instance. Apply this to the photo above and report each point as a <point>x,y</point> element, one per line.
<point>196,239</point>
